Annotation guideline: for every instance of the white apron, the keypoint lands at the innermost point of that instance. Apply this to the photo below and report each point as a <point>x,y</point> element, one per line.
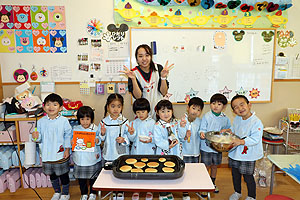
<point>150,89</point>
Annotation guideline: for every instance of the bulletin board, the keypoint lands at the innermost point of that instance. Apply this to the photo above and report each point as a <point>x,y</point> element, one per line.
<point>210,60</point>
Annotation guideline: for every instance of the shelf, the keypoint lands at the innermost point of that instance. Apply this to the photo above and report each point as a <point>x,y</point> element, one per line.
<point>291,137</point>
<point>8,143</point>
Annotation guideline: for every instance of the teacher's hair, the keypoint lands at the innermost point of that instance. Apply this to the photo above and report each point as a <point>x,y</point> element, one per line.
<point>148,51</point>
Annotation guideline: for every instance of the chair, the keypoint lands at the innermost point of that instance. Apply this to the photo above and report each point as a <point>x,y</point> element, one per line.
<point>277,197</point>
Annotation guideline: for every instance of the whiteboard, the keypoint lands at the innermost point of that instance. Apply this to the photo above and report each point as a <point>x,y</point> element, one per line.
<point>209,61</point>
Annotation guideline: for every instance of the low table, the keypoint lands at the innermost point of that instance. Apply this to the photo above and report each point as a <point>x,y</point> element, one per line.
<point>194,179</point>
<point>283,161</point>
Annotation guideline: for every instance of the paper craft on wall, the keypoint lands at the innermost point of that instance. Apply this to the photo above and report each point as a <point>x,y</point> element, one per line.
<point>41,41</point>
<point>6,16</point>
<point>99,88</point>
<point>43,72</point>
<point>58,41</point>
<point>277,19</point>
<point>115,33</point>
<point>39,17</point>
<point>121,88</point>
<point>31,26</point>
<point>94,27</point>
<point>33,75</point>
<point>24,41</point>
<point>110,88</point>
<point>186,13</point>
<point>226,92</point>
<point>57,19</point>
<point>286,38</point>
<point>21,75</point>
<point>7,41</point>
<point>22,17</point>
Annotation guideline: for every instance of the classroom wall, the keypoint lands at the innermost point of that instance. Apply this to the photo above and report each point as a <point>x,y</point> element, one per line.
<point>285,94</point>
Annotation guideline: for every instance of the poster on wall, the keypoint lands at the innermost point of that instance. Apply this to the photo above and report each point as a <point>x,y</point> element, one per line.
<point>32,29</point>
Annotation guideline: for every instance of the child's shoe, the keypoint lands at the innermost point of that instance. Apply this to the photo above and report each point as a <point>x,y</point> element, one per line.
<point>163,197</point>
<point>56,196</point>
<point>204,194</point>
<point>92,196</point>
<point>114,196</point>
<point>149,196</point>
<point>84,197</point>
<point>120,196</point>
<point>170,196</point>
<point>135,196</point>
<point>216,189</point>
<point>235,196</point>
<point>65,197</point>
<point>186,196</point>
<point>249,198</point>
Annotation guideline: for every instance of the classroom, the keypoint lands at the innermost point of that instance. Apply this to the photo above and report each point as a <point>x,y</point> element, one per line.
<point>92,57</point>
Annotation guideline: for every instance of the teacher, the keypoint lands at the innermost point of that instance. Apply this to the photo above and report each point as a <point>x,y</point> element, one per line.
<point>148,80</point>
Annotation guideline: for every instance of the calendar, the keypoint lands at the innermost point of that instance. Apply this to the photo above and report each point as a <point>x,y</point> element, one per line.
<point>85,88</point>
<point>114,66</point>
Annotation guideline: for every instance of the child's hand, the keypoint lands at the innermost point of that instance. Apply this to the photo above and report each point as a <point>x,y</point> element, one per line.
<point>103,129</point>
<point>67,153</point>
<point>173,144</point>
<point>202,135</point>
<point>164,73</point>
<point>130,128</point>
<point>237,142</point>
<point>96,140</point>
<point>226,130</point>
<point>183,122</point>
<point>120,140</point>
<point>128,72</point>
<point>35,135</point>
<point>146,141</point>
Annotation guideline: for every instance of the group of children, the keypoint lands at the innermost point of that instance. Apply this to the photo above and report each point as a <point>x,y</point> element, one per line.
<point>164,136</point>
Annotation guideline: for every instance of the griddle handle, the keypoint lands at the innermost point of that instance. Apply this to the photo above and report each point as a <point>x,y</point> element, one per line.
<point>181,163</point>
<point>108,165</point>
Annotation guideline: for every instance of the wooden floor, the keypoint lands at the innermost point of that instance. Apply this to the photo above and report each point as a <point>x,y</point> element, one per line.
<point>284,186</point>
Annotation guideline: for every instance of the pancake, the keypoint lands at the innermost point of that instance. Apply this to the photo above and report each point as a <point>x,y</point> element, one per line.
<point>125,168</point>
<point>144,159</point>
<point>137,170</point>
<point>153,164</point>
<point>162,159</point>
<point>139,165</point>
<point>130,161</point>
<point>151,170</point>
<point>168,169</point>
<point>169,164</point>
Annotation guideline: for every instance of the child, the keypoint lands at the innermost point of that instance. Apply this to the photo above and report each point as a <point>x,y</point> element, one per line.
<point>242,159</point>
<point>142,126</point>
<point>114,131</point>
<point>165,135</point>
<point>214,120</point>
<point>87,164</point>
<point>189,133</point>
<point>54,134</point>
